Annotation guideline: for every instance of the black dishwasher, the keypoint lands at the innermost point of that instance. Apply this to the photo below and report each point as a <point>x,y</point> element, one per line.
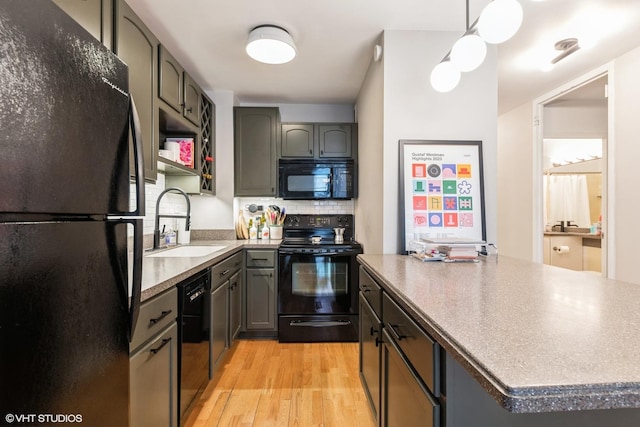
<point>193,334</point>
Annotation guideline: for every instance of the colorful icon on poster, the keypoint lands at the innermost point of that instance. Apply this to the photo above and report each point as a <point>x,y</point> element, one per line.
<point>419,203</point>
<point>418,170</point>
<point>464,171</point>
<point>464,187</point>
<point>435,220</point>
<point>435,203</point>
<point>449,171</point>
<point>450,219</point>
<point>419,186</point>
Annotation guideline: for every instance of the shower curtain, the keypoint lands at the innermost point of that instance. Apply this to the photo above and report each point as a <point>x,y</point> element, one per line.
<point>567,199</point>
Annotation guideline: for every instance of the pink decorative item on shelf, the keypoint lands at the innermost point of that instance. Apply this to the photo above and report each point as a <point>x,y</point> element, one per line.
<point>186,152</point>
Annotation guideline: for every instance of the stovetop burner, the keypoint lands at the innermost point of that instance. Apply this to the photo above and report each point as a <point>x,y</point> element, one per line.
<point>317,231</point>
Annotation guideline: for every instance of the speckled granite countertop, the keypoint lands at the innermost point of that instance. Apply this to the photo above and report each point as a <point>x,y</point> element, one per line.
<point>161,273</point>
<point>537,338</point>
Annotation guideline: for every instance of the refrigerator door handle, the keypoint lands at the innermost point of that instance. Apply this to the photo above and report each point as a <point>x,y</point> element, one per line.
<point>136,288</point>
<point>134,124</point>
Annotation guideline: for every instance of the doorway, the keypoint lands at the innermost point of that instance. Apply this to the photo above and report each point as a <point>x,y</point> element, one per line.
<point>572,142</point>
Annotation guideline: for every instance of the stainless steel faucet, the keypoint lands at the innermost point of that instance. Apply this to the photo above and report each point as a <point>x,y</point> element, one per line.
<point>187,217</point>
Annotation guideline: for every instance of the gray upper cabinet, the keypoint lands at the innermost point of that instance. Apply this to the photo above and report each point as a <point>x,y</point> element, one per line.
<point>257,129</point>
<point>94,15</point>
<point>334,140</point>
<point>138,47</point>
<point>171,79</point>
<point>177,88</point>
<point>318,140</point>
<point>297,140</point>
<point>191,100</point>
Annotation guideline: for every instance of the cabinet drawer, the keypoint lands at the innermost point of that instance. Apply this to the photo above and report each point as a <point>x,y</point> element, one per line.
<point>261,258</point>
<point>371,291</point>
<point>155,315</point>
<point>222,271</point>
<point>421,351</point>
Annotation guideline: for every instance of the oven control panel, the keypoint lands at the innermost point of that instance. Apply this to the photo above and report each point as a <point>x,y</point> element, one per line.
<point>319,221</point>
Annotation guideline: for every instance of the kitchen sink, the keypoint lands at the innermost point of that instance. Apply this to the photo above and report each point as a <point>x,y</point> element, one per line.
<point>188,251</point>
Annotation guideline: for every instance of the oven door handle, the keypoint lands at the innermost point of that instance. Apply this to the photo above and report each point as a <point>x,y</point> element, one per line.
<point>319,323</point>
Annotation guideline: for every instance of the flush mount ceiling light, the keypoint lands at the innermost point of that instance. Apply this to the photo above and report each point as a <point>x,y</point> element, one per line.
<point>566,48</point>
<point>271,44</point>
<point>498,22</point>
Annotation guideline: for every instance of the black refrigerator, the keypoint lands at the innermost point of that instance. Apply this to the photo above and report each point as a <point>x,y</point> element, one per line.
<point>69,290</point>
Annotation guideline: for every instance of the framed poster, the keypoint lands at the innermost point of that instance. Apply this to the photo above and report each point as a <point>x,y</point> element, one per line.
<point>441,191</point>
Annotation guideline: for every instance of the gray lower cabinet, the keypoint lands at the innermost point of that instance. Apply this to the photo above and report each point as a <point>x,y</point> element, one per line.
<point>153,363</point>
<point>406,401</point>
<point>225,290</point>
<point>260,290</point>
<point>370,345</point>
<point>154,381</point>
<point>370,340</point>
<point>235,306</point>
<point>410,374</point>
<point>219,298</point>
<point>136,45</point>
<point>257,130</point>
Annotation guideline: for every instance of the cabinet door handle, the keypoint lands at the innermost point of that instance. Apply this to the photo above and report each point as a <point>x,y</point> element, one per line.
<point>189,110</point>
<point>310,151</point>
<point>365,289</point>
<point>373,331</point>
<point>163,314</point>
<point>259,259</point>
<point>378,341</point>
<point>394,332</point>
<point>164,342</point>
<point>224,273</point>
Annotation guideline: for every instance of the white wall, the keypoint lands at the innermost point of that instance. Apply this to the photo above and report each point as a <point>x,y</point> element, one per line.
<point>625,172</point>
<point>561,121</point>
<point>515,182</point>
<point>370,117</point>
<point>516,127</point>
<point>413,110</point>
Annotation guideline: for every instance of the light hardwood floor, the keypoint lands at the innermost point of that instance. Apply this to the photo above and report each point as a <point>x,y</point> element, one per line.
<point>267,383</point>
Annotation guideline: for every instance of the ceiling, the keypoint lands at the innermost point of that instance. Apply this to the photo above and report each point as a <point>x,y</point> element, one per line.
<point>335,41</point>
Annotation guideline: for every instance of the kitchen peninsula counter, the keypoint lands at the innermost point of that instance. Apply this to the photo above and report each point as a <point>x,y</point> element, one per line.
<point>162,273</point>
<point>536,338</point>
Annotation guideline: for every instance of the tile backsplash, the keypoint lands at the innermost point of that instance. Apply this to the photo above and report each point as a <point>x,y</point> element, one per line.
<point>174,203</point>
<point>297,206</point>
<point>171,203</point>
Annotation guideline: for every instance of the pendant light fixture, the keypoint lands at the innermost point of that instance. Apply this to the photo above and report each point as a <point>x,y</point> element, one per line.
<point>498,22</point>
<point>270,44</point>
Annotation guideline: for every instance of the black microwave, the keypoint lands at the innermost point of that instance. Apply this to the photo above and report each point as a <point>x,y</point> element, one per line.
<point>317,179</point>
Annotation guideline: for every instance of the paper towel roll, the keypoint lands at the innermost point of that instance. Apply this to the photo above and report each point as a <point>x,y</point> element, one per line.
<point>562,249</point>
<point>184,236</point>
